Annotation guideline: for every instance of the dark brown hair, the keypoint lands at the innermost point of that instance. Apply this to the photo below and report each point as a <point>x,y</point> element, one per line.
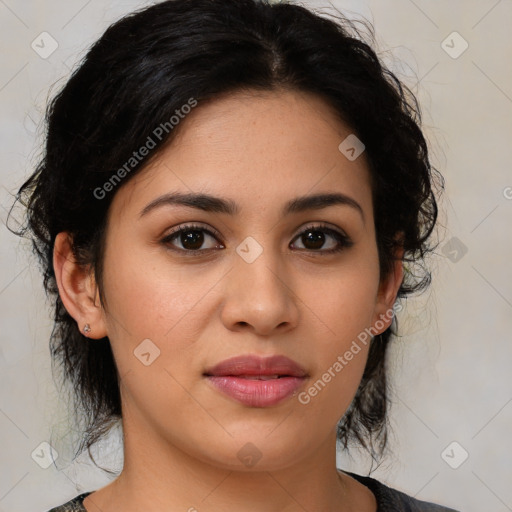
<point>134,78</point>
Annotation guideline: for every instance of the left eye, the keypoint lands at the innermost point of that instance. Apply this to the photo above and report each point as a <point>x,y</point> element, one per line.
<point>313,238</point>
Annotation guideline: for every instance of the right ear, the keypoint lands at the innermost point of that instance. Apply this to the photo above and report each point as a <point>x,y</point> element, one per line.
<point>77,287</point>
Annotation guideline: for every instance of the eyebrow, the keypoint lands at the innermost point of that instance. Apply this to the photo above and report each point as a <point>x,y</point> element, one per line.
<point>209,203</point>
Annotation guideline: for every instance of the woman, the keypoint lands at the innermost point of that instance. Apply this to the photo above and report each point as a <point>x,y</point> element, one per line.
<point>229,195</point>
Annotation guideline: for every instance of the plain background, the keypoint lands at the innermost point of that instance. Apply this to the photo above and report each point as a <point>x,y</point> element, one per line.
<point>450,370</point>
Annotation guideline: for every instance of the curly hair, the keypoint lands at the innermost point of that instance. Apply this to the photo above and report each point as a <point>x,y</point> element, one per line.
<point>151,62</point>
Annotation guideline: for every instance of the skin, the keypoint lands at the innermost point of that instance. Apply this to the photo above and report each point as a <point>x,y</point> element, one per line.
<point>181,435</point>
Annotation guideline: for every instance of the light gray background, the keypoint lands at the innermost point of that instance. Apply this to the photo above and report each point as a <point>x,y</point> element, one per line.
<point>451,370</point>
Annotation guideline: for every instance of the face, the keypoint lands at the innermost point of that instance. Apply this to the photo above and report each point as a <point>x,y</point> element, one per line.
<point>189,287</point>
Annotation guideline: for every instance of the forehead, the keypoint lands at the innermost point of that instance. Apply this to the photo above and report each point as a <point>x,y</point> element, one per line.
<point>252,145</point>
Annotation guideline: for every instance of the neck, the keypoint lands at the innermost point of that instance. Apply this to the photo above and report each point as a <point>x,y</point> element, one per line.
<point>157,475</point>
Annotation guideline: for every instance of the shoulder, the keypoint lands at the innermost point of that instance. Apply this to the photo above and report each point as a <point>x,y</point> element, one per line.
<point>392,500</point>
<point>74,505</point>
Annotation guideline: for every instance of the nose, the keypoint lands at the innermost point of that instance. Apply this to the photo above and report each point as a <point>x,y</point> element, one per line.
<point>259,296</point>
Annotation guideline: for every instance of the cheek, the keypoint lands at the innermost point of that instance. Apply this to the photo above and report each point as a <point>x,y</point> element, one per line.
<point>153,316</point>
<point>155,307</point>
<point>342,303</point>
<point>147,297</point>
<point>340,361</point>
<point>333,388</point>
<point>343,308</point>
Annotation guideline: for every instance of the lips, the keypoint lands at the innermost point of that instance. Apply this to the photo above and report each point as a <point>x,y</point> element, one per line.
<point>255,367</point>
<point>255,381</point>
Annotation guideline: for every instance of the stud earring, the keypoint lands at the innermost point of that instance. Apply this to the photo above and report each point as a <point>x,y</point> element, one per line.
<point>87,329</point>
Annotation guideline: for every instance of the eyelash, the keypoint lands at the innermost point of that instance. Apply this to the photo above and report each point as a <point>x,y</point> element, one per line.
<point>343,240</point>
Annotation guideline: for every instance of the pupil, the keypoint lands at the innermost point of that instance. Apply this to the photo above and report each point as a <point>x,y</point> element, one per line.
<point>193,238</point>
<point>317,240</point>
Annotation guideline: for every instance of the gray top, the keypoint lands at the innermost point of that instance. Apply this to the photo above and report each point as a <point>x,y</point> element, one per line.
<point>388,500</point>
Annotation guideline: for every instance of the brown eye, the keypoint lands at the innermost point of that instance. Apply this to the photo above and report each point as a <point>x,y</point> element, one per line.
<point>313,238</point>
<point>192,238</point>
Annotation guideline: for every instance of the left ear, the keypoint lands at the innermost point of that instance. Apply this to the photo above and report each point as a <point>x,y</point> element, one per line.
<point>387,292</point>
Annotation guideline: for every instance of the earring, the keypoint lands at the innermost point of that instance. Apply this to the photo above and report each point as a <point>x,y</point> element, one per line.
<point>87,329</point>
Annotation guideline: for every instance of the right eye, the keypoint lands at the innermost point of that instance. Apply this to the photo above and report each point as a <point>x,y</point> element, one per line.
<point>191,237</point>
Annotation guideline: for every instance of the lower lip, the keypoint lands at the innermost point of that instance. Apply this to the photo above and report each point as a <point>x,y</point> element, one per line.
<point>257,393</point>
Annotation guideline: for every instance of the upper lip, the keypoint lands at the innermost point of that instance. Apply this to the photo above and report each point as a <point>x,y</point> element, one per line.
<point>256,365</point>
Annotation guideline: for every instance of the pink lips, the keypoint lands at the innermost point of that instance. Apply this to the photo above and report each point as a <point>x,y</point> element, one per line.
<point>257,381</point>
